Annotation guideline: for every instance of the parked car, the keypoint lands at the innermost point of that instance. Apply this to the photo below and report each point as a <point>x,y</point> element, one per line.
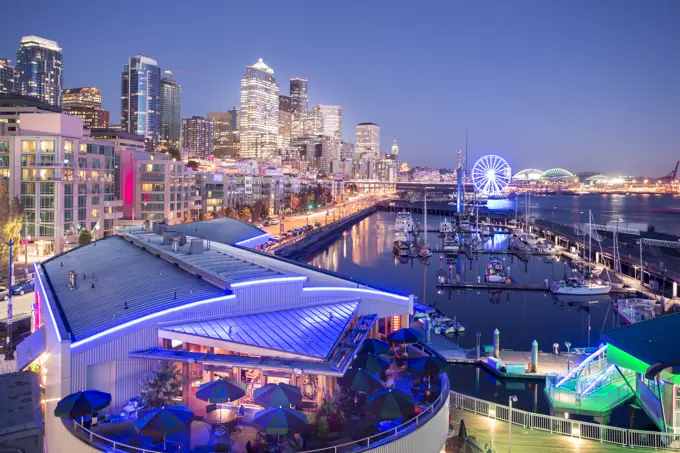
<point>259,225</point>
<point>23,286</point>
<point>4,293</point>
<point>272,222</point>
<point>317,224</point>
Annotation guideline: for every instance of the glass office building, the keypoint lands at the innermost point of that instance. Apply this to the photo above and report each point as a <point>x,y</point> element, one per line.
<point>171,111</point>
<point>39,69</point>
<point>140,99</point>
<point>259,119</point>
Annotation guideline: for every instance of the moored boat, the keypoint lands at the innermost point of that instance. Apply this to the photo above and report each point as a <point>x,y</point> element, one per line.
<point>494,272</point>
<point>576,287</point>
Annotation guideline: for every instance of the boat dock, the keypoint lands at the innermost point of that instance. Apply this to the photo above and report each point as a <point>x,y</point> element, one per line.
<point>519,287</point>
<point>510,365</point>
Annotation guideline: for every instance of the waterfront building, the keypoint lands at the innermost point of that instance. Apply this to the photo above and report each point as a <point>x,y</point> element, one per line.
<point>171,111</point>
<point>13,105</point>
<point>64,180</point>
<point>259,113</point>
<point>197,137</point>
<point>155,187</point>
<point>278,322</point>
<point>330,119</point>
<point>224,144</point>
<point>367,140</point>
<point>140,99</point>
<point>7,77</point>
<point>39,69</point>
<point>86,103</point>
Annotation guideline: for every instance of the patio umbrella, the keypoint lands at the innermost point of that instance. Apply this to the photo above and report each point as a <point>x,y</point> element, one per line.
<point>404,336</point>
<point>374,346</point>
<point>280,420</point>
<point>220,391</point>
<point>462,431</point>
<point>371,362</point>
<point>163,421</point>
<point>80,404</point>
<point>274,395</point>
<point>360,380</point>
<point>427,366</point>
<point>390,403</point>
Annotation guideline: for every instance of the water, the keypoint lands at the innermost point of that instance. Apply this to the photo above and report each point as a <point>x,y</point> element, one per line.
<point>632,208</point>
<point>365,253</point>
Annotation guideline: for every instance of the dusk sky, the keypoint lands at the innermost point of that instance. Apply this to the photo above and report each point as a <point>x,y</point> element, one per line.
<point>584,85</point>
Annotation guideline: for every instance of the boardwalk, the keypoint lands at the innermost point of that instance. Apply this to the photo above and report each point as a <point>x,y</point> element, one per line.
<point>494,433</point>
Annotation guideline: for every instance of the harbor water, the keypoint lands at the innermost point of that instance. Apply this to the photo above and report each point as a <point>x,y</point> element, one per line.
<point>365,252</point>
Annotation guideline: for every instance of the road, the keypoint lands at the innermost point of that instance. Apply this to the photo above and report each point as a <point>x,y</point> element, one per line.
<point>20,305</point>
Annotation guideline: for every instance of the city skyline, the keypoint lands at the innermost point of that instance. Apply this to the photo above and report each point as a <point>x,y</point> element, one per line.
<point>568,86</point>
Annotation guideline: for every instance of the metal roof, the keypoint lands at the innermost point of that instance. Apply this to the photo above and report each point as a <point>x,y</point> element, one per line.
<point>309,331</point>
<point>112,272</point>
<point>224,230</point>
<point>652,341</point>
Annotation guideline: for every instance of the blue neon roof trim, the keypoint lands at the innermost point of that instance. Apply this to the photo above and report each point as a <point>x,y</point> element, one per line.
<point>149,317</point>
<point>361,290</point>
<point>245,242</point>
<point>47,301</point>
<point>269,280</point>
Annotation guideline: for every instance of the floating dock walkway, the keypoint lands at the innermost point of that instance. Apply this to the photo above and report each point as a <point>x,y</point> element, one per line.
<point>520,287</point>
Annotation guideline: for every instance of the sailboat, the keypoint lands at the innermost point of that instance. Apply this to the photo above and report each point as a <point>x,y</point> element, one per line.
<point>425,250</point>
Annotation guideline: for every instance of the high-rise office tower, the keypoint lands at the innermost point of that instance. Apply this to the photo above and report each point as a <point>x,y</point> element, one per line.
<point>86,103</point>
<point>171,111</point>
<point>298,94</point>
<point>259,117</point>
<point>394,155</point>
<point>331,119</point>
<point>140,99</point>
<point>368,140</point>
<point>312,123</point>
<point>197,137</point>
<point>39,69</point>
<point>7,76</point>
<point>223,144</point>
<point>285,121</point>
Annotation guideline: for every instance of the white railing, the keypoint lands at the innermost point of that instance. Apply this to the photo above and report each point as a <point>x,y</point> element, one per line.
<point>564,398</point>
<point>97,441</point>
<point>574,428</point>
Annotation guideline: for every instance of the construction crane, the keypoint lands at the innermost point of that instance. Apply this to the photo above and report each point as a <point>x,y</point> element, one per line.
<point>671,178</point>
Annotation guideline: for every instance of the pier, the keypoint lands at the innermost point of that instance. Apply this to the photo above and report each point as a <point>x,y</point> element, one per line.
<point>631,292</point>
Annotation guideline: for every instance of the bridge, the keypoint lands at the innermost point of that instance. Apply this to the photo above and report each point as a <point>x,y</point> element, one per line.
<point>444,188</point>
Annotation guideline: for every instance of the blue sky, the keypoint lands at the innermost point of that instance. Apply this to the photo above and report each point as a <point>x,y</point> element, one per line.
<point>576,84</point>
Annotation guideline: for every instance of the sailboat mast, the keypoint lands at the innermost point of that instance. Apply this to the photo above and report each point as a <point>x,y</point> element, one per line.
<point>425,209</point>
<point>590,237</point>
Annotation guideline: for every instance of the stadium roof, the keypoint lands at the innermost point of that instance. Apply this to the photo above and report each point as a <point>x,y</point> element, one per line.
<point>224,230</point>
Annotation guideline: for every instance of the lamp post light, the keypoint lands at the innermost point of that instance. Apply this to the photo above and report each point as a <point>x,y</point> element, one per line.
<point>9,354</point>
<point>512,399</point>
<point>568,345</point>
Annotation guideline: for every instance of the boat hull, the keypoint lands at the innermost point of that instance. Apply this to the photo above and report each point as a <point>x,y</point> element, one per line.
<point>582,291</point>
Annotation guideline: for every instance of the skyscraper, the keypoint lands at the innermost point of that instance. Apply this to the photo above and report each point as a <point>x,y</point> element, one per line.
<point>223,144</point>
<point>331,120</point>
<point>285,121</point>
<point>39,69</point>
<point>197,137</point>
<point>259,116</point>
<point>298,94</point>
<point>7,76</point>
<point>140,99</point>
<point>171,115</point>
<point>368,141</point>
<point>86,103</point>
<point>394,155</point>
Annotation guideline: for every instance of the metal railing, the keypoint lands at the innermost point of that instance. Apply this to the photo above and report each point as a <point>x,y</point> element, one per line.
<point>573,428</point>
<point>564,398</point>
<point>98,441</point>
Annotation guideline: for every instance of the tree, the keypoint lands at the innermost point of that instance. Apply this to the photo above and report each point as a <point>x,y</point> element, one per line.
<point>192,164</point>
<point>206,216</point>
<point>85,237</point>
<point>231,212</point>
<point>161,386</point>
<point>295,203</point>
<point>246,214</point>
<point>174,152</point>
<point>187,219</point>
<point>11,215</point>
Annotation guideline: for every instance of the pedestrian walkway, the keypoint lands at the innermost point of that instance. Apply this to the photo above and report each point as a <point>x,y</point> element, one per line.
<point>494,434</point>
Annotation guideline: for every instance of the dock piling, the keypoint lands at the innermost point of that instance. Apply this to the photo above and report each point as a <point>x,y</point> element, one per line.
<point>428,330</point>
<point>534,356</point>
<point>496,344</point>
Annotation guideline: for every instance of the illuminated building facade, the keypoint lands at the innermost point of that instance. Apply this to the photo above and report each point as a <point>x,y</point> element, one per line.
<point>224,143</point>
<point>7,77</point>
<point>368,141</point>
<point>394,155</point>
<point>171,111</point>
<point>39,69</point>
<point>197,137</point>
<point>140,99</point>
<point>298,94</point>
<point>285,121</point>
<point>259,113</point>
<point>331,120</point>
<point>86,103</point>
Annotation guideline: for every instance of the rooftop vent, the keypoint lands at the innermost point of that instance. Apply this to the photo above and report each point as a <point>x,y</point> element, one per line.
<point>196,246</point>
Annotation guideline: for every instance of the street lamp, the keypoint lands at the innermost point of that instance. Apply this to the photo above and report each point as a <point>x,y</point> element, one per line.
<point>512,399</point>
<point>9,354</point>
<point>568,345</point>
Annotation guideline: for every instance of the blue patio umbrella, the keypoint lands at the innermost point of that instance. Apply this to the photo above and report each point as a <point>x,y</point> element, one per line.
<point>374,346</point>
<point>163,421</point>
<point>80,404</point>
<point>404,336</point>
<point>371,362</point>
<point>220,391</point>
<point>274,395</point>
<point>390,403</point>
<point>427,366</point>
<point>280,420</point>
<point>360,380</point>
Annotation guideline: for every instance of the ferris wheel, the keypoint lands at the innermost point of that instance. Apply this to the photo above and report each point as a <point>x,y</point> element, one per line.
<point>491,174</point>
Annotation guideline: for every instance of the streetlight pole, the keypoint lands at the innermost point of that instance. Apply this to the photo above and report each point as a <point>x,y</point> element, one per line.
<point>568,345</point>
<point>9,354</point>
<point>512,399</point>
